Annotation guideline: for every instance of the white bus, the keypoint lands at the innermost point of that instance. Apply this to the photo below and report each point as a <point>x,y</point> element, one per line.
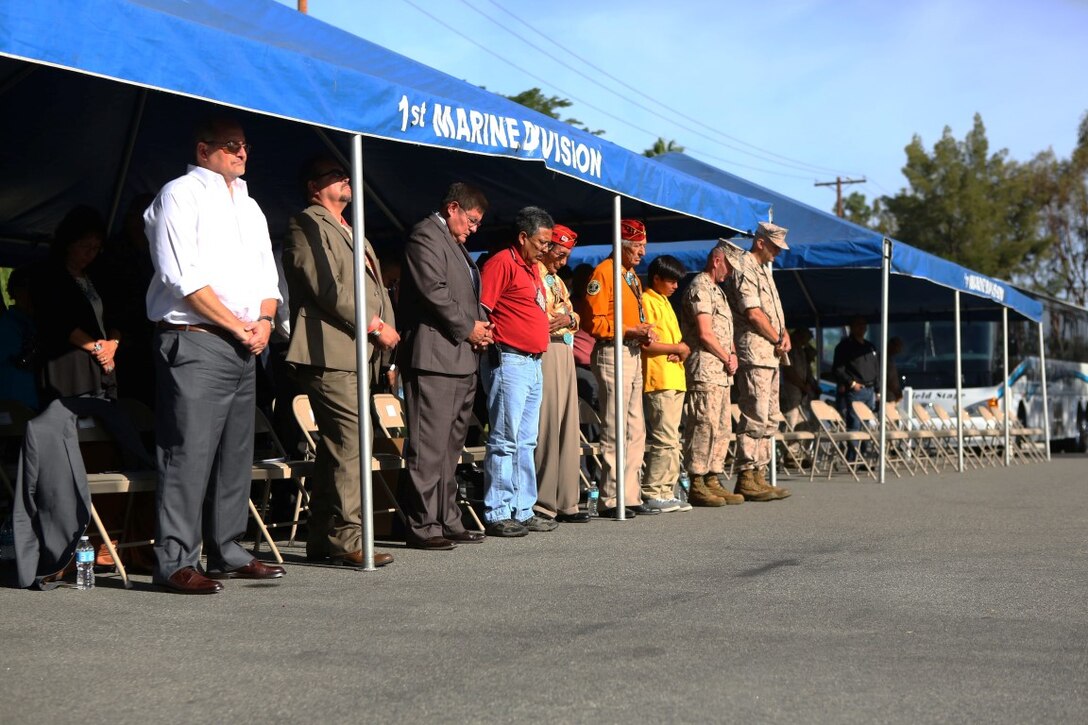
<point>927,365</point>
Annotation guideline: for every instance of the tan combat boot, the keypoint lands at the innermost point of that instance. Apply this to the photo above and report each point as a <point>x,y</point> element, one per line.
<point>700,494</point>
<point>778,491</point>
<point>750,489</point>
<point>714,483</point>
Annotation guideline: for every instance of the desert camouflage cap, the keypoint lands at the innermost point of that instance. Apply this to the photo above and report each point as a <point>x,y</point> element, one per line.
<point>733,253</point>
<point>773,233</point>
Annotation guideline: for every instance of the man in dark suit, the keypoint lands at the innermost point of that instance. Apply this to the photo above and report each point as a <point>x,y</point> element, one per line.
<point>318,263</point>
<point>444,329</point>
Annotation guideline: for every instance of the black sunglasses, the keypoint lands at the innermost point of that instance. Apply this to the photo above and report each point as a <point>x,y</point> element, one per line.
<point>336,174</point>
<point>231,147</point>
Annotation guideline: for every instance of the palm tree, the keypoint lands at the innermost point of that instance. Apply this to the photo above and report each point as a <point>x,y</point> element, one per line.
<point>661,146</point>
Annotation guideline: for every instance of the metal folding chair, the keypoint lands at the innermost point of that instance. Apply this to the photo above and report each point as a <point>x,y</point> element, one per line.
<point>919,440</point>
<point>898,453</point>
<point>1028,441</point>
<point>390,416</point>
<point>944,438</point>
<point>833,437</point>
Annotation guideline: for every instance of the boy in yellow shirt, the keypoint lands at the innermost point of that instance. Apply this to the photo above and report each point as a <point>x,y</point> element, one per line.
<point>664,385</point>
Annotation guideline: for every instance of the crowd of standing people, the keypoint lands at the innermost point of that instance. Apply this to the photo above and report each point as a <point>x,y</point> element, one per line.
<point>511,328</point>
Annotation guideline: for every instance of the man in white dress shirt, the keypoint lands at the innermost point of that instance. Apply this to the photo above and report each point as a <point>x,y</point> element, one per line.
<point>213,297</point>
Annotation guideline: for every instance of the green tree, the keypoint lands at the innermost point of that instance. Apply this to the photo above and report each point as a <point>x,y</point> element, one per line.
<point>535,99</point>
<point>1062,188</point>
<point>967,205</point>
<point>856,209</point>
<point>661,146</point>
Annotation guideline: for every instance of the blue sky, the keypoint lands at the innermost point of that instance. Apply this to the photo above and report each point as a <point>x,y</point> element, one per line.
<point>781,93</point>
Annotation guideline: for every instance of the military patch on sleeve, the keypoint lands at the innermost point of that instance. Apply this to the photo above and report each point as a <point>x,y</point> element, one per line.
<point>593,288</point>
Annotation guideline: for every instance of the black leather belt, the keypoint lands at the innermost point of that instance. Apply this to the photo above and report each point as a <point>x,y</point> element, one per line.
<point>514,351</point>
<point>216,330</point>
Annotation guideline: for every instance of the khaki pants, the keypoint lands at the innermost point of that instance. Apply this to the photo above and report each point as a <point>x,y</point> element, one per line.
<point>335,522</point>
<point>628,387</point>
<point>558,447</point>
<point>663,411</point>
<point>759,416</point>
<point>707,426</point>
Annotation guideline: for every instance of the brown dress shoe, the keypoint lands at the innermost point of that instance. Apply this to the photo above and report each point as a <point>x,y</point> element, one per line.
<point>190,581</point>
<point>355,558</point>
<point>466,537</point>
<point>253,570</point>
<point>434,543</point>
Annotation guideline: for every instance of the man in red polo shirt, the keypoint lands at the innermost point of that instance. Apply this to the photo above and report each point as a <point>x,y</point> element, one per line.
<point>512,292</point>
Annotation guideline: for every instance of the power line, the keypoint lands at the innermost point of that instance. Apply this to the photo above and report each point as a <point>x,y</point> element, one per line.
<point>546,83</point>
<point>786,160</point>
<point>837,183</point>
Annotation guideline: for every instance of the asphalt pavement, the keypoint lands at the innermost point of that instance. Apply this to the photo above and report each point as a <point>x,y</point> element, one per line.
<point>943,598</point>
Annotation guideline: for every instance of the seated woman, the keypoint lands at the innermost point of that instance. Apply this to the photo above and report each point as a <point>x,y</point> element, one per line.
<point>76,336</point>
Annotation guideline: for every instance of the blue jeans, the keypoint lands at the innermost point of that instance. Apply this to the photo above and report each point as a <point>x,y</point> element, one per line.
<point>513,406</point>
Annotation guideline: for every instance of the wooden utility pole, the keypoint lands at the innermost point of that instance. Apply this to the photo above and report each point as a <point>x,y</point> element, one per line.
<point>302,6</point>
<point>837,183</point>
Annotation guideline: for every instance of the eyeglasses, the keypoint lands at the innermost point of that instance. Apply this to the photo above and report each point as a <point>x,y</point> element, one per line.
<point>336,174</point>
<point>472,223</point>
<point>231,147</point>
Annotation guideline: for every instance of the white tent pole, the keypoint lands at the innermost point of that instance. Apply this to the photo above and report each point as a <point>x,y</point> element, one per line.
<point>773,464</point>
<point>959,382</point>
<point>617,356</point>
<point>362,360</point>
<point>885,273</point>
<point>1042,380</point>
<point>1005,372</point>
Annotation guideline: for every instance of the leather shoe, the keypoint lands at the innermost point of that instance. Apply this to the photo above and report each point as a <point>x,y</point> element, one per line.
<point>582,517</point>
<point>644,510</point>
<point>434,543</point>
<point>610,513</point>
<point>355,558</point>
<point>466,537</point>
<point>253,570</point>
<point>190,581</point>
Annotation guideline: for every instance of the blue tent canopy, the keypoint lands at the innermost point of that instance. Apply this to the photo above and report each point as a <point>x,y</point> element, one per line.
<point>835,266</point>
<point>831,282</point>
<point>146,70</point>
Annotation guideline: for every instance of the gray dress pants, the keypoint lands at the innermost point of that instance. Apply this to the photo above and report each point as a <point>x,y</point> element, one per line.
<point>204,423</point>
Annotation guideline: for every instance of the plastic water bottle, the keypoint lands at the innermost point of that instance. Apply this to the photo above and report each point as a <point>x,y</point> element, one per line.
<point>683,486</point>
<point>84,564</point>
<point>592,499</point>
<point>7,541</point>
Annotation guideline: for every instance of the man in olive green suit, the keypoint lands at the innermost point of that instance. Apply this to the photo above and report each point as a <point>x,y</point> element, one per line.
<point>318,265</point>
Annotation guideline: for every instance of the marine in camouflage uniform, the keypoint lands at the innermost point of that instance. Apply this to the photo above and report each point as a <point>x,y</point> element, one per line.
<point>707,324</point>
<point>763,343</point>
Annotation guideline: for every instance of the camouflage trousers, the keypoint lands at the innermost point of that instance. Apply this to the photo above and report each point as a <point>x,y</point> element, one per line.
<point>759,415</point>
<point>707,426</point>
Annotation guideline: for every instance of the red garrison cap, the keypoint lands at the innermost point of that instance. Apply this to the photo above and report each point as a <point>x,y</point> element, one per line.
<point>563,236</point>
<point>632,230</point>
